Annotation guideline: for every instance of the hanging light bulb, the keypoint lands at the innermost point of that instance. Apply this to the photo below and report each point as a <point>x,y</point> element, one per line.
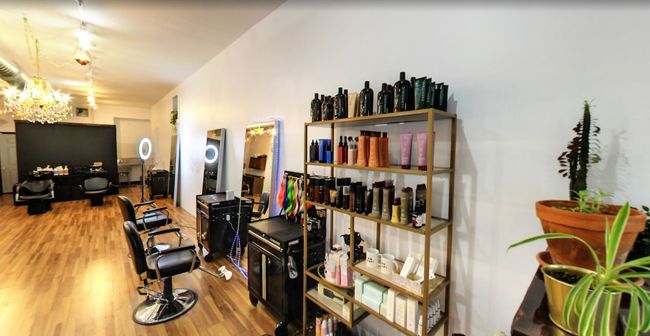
<point>82,57</point>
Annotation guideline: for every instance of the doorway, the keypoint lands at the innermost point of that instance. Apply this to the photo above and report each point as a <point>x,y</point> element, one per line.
<point>8,162</point>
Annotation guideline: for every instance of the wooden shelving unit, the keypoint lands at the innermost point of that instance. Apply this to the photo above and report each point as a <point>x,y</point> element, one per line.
<point>433,224</point>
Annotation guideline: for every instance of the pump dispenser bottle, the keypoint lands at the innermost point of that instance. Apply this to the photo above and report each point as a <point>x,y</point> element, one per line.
<point>365,99</point>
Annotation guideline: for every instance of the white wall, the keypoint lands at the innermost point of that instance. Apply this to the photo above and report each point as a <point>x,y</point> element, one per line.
<point>105,114</point>
<point>518,76</point>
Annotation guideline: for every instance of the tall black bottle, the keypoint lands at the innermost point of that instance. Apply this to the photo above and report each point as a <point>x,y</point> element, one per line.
<point>382,100</point>
<point>327,108</point>
<point>365,99</point>
<point>390,98</point>
<point>339,105</point>
<point>316,108</point>
<point>402,93</point>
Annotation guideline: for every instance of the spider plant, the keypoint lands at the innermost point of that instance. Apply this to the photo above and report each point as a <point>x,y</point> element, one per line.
<point>595,289</point>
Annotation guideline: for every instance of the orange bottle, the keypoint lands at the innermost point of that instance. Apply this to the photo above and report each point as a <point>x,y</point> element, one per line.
<point>384,150</point>
<point>362,153</point>
<point>374,151</point>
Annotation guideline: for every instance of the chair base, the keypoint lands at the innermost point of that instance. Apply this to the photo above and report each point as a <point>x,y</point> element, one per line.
<point>38,207</point>
<point>97,200</point>
<point>158,310</point>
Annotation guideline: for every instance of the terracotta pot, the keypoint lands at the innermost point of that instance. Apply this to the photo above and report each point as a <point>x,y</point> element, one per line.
<point>590,227</point>
<point>544,258</point>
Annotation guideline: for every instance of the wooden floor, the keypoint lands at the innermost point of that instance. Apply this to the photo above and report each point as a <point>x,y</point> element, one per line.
<point>66,272</point>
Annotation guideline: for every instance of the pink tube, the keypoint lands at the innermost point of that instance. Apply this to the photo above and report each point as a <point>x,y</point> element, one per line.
<point>405,141</point>
<point>422,150</point>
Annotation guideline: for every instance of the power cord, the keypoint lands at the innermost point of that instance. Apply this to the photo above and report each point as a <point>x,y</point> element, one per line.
<point>236,246</point>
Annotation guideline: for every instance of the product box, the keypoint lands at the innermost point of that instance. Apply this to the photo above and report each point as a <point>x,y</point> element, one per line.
<point>358,286</point>
<point>371,301</point>
<point>374,290</point>
<point>390,304</point>
<point>412,307</point>
<point>400,310</point>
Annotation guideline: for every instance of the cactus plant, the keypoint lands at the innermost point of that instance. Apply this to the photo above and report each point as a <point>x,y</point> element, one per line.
<point>582,151</point>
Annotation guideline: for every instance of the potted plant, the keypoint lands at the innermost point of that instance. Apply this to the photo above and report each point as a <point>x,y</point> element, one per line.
<point>641,246</point>
<point>587,302</point>
<point>584,215</point>
<point>587,218</point>
<point>173,117</point>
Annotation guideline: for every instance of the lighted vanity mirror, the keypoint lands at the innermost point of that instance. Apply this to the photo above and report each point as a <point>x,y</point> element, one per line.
<point>260,175</point>
<point>213,161</point>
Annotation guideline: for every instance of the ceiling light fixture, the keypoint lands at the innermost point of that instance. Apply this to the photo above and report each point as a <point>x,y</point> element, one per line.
<point>37,101</point>
<point>82,55</point>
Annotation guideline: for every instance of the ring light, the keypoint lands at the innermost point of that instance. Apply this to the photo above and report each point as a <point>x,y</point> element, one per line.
<point>144,156</point>
<point>214,157</point>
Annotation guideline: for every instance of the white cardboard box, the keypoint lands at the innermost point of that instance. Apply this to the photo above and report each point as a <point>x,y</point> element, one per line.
<point>411,314</point>
<point>400,310</point>
<point>390,305</point>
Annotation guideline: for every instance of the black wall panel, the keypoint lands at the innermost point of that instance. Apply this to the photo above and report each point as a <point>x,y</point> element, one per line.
<point>75,145</point>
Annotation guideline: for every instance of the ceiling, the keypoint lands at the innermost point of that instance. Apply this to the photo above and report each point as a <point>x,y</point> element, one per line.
<point>141,50</point>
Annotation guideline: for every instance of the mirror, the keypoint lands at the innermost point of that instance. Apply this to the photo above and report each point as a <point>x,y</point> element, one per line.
<point>261,157</point>
<point>213,161</point>
<point>174,164</point>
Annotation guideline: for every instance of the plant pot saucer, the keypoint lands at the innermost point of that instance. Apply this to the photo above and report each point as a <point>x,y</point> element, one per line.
<point>544,258</point>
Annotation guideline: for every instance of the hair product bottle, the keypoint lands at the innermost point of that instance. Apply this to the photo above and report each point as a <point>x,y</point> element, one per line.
<point>368,201</point>
<point>420,199</point>
<point>390,98</point>
<point>382,96</point>
<point>352,152</point>
<point>345,151</point>
<point>405,142</point>
<point>422,150</point>
<point>443,97</point>
<point>402,93</point>
<point>411,102</point>
<point>436,95</point>
<point>384,150</point>
<point>315,108</point>
<point>365,99</point>
<point>353,197</point>
<point>431,89</point>
<point>362,150</point>
<point>339,151</point>
<point>374,150</point>
<point>353,104</point>
<point>388,194</point>
<point>346,196</point>
<point>376,199</point>
<point>395,212</point>
<point>406,199</point>
<point>345,103</point>
<point>339,105</point>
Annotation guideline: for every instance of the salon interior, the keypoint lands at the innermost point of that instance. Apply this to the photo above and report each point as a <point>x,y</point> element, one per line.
<point>325,168</point>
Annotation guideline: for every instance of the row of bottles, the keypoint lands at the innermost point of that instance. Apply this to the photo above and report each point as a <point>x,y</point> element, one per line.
<point>418,93</point>
<point>380,200</point>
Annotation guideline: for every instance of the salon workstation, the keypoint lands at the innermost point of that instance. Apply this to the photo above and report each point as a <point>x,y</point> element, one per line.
<point>324,168</point>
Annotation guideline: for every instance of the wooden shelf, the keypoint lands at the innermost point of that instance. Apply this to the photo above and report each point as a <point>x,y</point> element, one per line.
<point>387,118</point>
<point>398,283</point>
<point>392,169</point>
<point>334,308</point>
<point>437,223</point>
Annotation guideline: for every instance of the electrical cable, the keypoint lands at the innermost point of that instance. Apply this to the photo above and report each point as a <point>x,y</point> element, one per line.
<point>236,260</point>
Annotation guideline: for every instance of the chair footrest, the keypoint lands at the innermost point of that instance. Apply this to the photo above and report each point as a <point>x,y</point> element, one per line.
<point>142,290</point>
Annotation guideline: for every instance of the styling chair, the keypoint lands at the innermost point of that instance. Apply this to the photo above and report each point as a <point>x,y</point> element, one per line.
<point>152,218</point>
<point>262,206</point>
<point>37,194</point>
<point>161,267</point>
<point>95,188</point>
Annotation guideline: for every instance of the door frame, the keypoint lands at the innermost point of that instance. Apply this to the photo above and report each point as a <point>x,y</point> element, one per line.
<point>1,181</point>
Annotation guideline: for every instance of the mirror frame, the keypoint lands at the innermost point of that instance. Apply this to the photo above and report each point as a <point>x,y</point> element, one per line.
<point>274,209</point>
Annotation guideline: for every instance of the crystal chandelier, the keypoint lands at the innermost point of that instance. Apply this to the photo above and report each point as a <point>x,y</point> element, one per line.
<point>37,101</point>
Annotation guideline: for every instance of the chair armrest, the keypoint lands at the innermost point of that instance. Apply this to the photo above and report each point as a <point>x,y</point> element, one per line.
<point>142,203</point>
<point>163,231</point>
<point>177,249</point>
<point>152,210</point>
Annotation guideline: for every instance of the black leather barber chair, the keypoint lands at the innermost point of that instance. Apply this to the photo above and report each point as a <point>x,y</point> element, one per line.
<point>37,194</point>
<point>262,206</point>
<point>161,267</point>
<point>152,217</point>
<point>95,188</point>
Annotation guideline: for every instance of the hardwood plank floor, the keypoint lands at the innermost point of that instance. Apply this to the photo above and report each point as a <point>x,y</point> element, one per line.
<point>67,272</point>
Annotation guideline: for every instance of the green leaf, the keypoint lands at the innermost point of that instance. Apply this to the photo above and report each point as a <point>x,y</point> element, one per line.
<point>641,262</point>
<point>632,325</point>
<point>586,323</point>
<point>614,237</point>
<point>570,303</point>
<point>548,236</point>
<point>581,299</point>
<point>643,295</point>
<point>604,319</point>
